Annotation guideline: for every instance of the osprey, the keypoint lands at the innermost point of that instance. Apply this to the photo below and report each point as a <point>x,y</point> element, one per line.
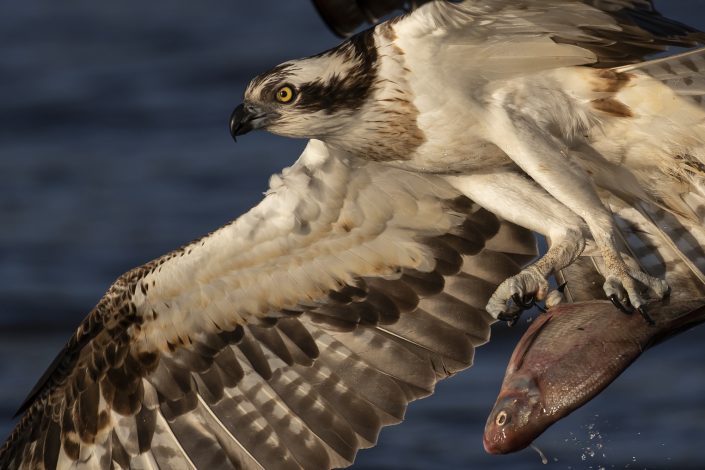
<point>526,107</point>
<point>289,337</point>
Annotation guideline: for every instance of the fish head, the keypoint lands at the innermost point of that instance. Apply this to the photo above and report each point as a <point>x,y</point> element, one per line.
<point>516,418</point>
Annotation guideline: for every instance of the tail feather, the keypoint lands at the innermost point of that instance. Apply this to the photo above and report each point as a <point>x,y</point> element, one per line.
<point>651,239</point>
<point>683,73</point>
<point>671,247</point>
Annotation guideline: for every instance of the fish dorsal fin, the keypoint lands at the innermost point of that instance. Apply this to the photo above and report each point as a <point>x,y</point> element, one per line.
<point>527,340</point>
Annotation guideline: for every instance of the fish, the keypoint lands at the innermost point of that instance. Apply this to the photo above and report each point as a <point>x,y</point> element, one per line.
<point>570,354</point>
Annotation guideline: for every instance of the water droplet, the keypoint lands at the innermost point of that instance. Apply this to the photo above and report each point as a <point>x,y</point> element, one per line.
<point>544,460</point>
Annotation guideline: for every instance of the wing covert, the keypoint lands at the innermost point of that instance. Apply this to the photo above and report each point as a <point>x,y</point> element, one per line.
<point>286,339</point>
<point>505,37</point>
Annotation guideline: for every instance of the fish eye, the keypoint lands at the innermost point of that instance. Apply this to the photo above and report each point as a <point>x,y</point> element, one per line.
<point>502,418</point>
<point>285,94</point>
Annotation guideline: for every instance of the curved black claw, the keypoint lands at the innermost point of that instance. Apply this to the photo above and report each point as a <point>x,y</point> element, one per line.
<point>524,304</point>
<point>619,305</point>
<point>510,318</point>
<point>642,310</point>
<point>645,314</point>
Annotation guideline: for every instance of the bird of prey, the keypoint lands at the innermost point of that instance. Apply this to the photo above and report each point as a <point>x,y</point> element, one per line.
<point>526,107</point>
<point>289,337</point>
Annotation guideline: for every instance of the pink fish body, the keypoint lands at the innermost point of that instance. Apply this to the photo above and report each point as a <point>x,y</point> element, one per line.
<point>569,355</point>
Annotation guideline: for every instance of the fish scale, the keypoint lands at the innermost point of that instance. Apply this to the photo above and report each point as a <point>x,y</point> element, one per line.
<point>569,355</point>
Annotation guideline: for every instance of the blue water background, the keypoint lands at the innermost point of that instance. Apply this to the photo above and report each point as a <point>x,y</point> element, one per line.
<point>114,149</point>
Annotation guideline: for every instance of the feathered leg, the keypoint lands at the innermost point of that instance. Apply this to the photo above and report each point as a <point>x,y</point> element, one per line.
<point>519,200</point>
<point>540,155</point>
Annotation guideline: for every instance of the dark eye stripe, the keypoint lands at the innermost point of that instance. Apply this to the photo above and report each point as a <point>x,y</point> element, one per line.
<point>351,90</point>
<point>332,93</point>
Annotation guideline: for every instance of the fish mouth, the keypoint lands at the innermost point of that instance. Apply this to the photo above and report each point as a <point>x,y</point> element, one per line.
<point>504,445</point>
<point>499,444</point>
<point>490,447</point>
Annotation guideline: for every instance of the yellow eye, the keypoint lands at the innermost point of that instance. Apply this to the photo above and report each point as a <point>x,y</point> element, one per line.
<point>285,94</point>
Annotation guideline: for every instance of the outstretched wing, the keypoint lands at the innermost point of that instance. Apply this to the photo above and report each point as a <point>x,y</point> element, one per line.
<point>285,339</point>
<point>491,39</point>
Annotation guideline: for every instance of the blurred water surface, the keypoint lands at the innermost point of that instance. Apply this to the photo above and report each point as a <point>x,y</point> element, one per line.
<point>114,149</point>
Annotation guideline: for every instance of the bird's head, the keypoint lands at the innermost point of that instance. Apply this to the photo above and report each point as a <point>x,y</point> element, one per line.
<point>315,97</point>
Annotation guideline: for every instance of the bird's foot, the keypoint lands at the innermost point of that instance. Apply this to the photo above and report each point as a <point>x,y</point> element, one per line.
<point>516,294</point>
<point>626,288</point>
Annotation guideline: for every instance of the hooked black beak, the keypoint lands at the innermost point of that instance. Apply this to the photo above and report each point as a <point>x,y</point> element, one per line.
<point>246,118</point>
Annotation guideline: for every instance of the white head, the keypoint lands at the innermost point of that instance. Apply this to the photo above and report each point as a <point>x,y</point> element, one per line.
<point>315,97</point>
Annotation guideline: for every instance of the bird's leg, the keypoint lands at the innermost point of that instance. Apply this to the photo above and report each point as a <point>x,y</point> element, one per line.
<point>626,286</point>
<point>531,281</point>
<point>541,156</point>
<point>517,199</point>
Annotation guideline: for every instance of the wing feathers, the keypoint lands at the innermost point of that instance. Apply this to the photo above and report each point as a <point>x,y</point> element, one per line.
<point>506,37</point>
<point>259,347</point>
<point>683,73</point>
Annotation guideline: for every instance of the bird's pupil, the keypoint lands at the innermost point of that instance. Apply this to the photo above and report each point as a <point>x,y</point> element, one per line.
<point>285,94</point>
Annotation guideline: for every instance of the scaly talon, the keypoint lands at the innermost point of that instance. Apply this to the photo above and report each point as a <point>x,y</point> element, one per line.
<point>510,318</point>
<point>516,294</point>
<point>631,289</point>
<point>618,304</point>
<point>522,303</point>
<point>645,314</point>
